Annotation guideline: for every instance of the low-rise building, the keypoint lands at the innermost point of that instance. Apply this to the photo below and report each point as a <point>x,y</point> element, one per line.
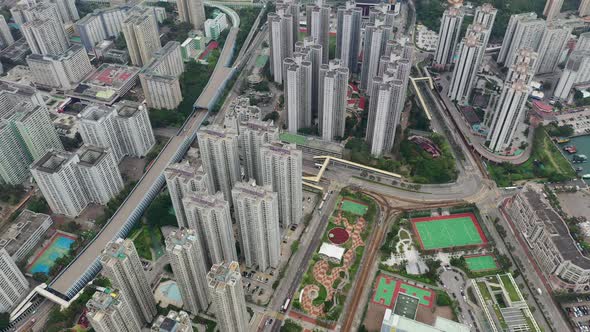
<point>549,240</point>
<point>426,39</point>
<point>106,84</point>
<point>173,322</point>
<point>215,25</point>
<point>25,232</point>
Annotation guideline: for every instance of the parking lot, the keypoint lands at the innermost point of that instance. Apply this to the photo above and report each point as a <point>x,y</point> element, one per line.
<point>579,313</point>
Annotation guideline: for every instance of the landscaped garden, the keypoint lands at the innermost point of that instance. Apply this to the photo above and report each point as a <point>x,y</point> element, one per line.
<point>546,162</point>
<point>328,279</point>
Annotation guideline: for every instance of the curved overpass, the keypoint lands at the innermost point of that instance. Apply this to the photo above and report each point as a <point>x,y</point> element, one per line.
<point>233,16</point>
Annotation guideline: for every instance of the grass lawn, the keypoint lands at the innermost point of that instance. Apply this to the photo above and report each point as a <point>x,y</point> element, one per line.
<point>321,295</point>
<point>292,138</point>
<point>354,207</point>
<point>484,291</point>
<point>481,263</point>
<point>546,162</point>
<point>143,242</point>
<point>448,231</point>
<point>510,288</point>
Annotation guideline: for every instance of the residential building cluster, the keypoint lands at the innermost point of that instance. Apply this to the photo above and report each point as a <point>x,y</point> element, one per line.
<point>316,88</point>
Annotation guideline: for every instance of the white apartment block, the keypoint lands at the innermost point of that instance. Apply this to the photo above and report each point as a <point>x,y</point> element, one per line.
<point>383,110</point>
<point>577,70</point>
<point>298,92</point>
<point>210,216</point>
<point>552,9</point>
<point>388,91</point>
<point>173,322</point>
<point>332,99</point>
<point>225,289</point>
<point>376,37</point>
<point>448,36</point>
<point>6,38</point>
<point>485,15</point>
<point>91,30</point>
<point>100,173</point>
<point>136,129</point>
<point>183,179</point>
<point>282,169</point>
<point>318,26</point>
<point>12,94</point>
<point>140,29</point>
<point>523,31</point>
<point>63,71</point>
<point>282,41</point>
<point>348,35</point>
<point>69,181</point>
<point>45,36</point>
<point>583,42</point>
<point>159,78</point>
<point>109,310</point>
<point>584,8</point>
<point>60,182</point>
<point>220,155</point>
<point>35,129</point>
<point>124,128</point>
<point>101,24</point>
<point>121,264</point>
<point>508,114</point>
<point>257,214</point>
<point>549,241</point>
<point>14,164</point>
<point>188,260</point>
<point>24,234</point>
<point>67,10</point>
<point>13,285</point>
<point>161,91</point>
<point>551,47</point>
<point>509,110</point>
<point>470,54</point>
<point>16,157</point>
<point>192,11</point>
<point>253,134</point>
<point>308,49</point>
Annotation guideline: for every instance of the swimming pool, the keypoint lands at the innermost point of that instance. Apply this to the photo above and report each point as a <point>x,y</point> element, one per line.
<point>58,246</point>
<point>168,293</point>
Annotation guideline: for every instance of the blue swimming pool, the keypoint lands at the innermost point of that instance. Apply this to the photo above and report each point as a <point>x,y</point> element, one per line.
<point>58,246</point>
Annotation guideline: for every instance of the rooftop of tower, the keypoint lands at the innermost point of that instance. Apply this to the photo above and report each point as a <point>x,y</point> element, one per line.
<point>52,161</point>
<point>127,108</point>
<point>114,250</point>
<point>180,237</point>
<point>250,188</point>
<point>91,155</point>
<point>211,201</point>
<point>487,8</point>
<point>94,113</point>
<point>223,274</point>
<point>102,300</point>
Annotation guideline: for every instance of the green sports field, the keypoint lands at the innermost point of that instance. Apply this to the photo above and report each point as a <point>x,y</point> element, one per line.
<point>354,207</point>
<point>387,289</point>
<point>456,230</point>
<point>481,263</point>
